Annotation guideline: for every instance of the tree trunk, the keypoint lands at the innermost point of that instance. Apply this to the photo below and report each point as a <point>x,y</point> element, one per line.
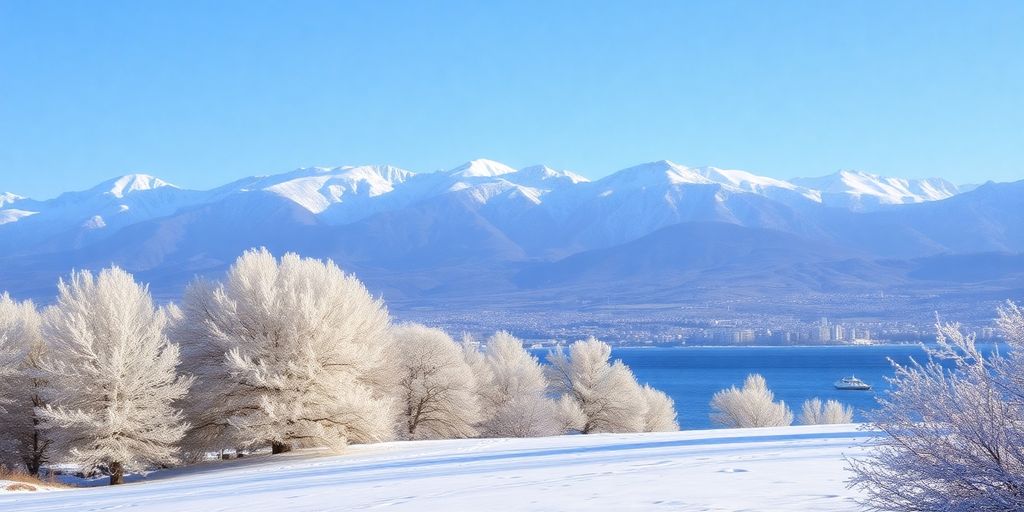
<point>116,473</point>
<point>280,448</point>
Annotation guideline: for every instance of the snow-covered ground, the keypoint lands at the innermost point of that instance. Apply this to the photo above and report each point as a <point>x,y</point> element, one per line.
<point>788,468</point>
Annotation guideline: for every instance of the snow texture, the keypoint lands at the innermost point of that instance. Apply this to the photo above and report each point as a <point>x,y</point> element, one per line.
<point>777,469</point>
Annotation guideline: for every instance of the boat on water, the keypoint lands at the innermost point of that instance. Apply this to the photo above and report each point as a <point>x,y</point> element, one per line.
<point>852,384</point>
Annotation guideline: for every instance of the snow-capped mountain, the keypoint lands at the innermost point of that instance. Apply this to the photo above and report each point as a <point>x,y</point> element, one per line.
<point>7,199</point>
<point>339,195</point>
<point>865,191</point>
<point>654,174</point>
<point>761,185</point>
<point>480,168</point>
<point>8,212</point>
<point>477,221</point>
<point>74,218</point>
<point>545,178</point>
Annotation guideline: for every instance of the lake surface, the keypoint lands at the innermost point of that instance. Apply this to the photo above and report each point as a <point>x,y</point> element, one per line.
<point>691,375</point>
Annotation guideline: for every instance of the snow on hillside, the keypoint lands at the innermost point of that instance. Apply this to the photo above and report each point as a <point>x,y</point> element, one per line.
<point>13,215</point>
<point>778,469</point>
<point>317,188</point>
<point>124,185</point>
<point>481,168</point>
<point>544,177</point>
<point>857,189</point>
<point>654,175</point>
<point>750,182</point>
<point>7,199</point>
<point>349,193</point>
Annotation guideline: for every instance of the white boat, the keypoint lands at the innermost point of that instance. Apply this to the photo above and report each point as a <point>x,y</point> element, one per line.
<point>852,384</point>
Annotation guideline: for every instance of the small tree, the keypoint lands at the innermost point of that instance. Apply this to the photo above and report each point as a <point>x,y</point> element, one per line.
<point>111,380</point>
<point>752,406</point>
<point>953,428</point>
<point>661,411</point>
<point>831,412</point>
<point>512,390</point>
<point>606,392</point>
<point>287,354</point>
<point>434,386</point>
<point>23,442</point>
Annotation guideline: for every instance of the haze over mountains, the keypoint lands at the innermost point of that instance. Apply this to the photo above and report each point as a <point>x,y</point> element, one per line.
<point>484,230</point>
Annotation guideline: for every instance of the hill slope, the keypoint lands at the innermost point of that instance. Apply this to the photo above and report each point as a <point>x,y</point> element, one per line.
<point>779,469</point>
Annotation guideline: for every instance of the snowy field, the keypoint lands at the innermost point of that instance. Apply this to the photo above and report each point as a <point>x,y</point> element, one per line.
<point>785,468</point>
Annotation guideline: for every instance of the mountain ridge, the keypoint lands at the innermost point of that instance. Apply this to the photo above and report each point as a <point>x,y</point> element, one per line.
<point>486,229</point>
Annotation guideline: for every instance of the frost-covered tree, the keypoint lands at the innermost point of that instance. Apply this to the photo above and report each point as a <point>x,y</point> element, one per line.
<point>111,375</point>
<point>831,412</point>
<point>661,411</point>
<point>15,338</point>
<point>512,390</point>
<point>287,354</point>
<point>753,405</point>
<point>953,428</point>
<point>23,441</point>
<point>569,416</point>
<point>214,392</point>
<point>606,392</point>
<point>434,386</point>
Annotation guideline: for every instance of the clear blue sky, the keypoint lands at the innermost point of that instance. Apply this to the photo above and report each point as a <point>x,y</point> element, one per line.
<point>203,92</point>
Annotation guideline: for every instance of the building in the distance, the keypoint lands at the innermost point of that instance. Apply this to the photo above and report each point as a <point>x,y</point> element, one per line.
<point>837,333</point>
<point>824,334</point>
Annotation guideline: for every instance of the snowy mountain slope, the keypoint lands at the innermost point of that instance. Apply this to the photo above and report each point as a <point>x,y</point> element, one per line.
<point>13,215</point>
<point>769,187</point>
<point>636,201</point>
<point>471,229</point>
<point>779,469</point>
<point>988,218</point>
<point>73,219</point>
<point>545,178</point>
<point>865,191</point>
<point>318,188</point>
<point>7,199</point>
<point>337,194</point>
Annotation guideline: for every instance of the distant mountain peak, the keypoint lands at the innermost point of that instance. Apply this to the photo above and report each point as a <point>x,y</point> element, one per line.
<point>388,172</point>
<point>544,173</point>
<point>659,173</point>
<point>129,183</point>
<point>481,168</point>
<point>7,198</point>
<point>855,188</point>
<point>318,188</point>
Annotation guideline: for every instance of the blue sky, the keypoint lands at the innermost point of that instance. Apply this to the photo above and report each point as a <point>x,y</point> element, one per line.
<point>199,93</point>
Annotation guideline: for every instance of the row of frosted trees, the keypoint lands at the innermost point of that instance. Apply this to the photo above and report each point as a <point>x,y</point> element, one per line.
<point>281,354</point>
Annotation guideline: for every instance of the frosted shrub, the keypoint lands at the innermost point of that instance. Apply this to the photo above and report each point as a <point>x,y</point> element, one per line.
<point>512,390</point>
<point>433,385</point>
<point>953,435</point>
<point>606,392</point>
<point>661,411</point>
<point>831,412</point>
<point>111,376</point>
<point>753,405</point>
<point>287,354</point>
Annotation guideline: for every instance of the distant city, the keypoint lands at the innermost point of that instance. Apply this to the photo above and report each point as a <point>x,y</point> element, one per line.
<point>549,329</point>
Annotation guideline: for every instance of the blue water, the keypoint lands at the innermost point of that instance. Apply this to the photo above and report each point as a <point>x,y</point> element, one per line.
<point>691,375</point>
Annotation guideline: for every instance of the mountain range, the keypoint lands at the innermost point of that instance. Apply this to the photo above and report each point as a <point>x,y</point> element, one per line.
<point>485,231</point>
